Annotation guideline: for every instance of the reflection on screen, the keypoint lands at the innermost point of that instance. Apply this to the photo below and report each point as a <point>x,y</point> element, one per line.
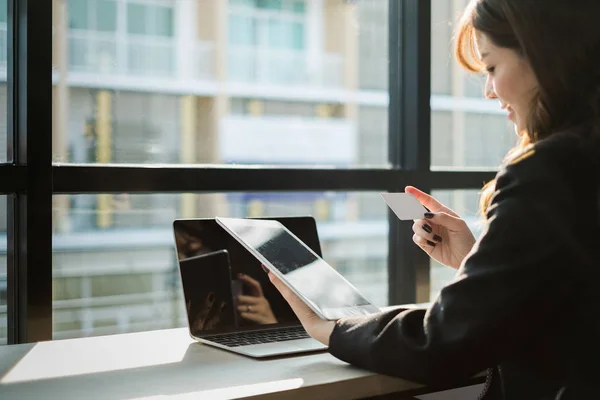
<point>213,281</point>
<point>310,275</point>
<point>207,291</point>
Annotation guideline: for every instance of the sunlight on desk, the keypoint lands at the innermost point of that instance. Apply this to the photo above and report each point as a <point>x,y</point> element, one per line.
<point>169,365</point>
<point>63,358</point>
<point>235,391</point>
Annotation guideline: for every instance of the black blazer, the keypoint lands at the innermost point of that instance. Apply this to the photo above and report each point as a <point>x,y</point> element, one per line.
<point>525,301</point>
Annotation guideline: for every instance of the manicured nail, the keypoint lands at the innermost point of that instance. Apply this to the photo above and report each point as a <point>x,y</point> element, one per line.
<point>264,268</point>
<point>429,242</point>
<point>429,215</point>
<point>427,228</point>
<point>437,238</point>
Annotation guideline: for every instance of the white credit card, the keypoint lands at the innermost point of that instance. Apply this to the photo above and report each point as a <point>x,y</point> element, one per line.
<point>404,205</point>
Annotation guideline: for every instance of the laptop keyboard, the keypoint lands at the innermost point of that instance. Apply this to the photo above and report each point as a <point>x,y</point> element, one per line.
<point>257,337</point>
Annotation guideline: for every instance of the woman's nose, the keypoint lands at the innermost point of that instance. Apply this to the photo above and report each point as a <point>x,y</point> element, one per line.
<point>490,93</point>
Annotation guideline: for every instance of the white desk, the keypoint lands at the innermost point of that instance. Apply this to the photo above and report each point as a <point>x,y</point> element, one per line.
<point>167,364</point>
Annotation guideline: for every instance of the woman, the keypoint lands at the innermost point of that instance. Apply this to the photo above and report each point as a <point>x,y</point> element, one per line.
<point>524,303</point>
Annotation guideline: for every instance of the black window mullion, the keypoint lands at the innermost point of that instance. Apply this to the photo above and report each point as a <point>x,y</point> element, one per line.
<point>409,138</point>
<point>30,147</point>
<point>79,179</point>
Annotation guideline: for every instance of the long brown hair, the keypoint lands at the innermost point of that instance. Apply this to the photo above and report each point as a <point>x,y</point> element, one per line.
<point>561,42</point>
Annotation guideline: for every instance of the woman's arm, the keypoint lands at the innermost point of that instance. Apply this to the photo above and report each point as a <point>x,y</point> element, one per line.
<point>510,286</point>
<point>538,247</point>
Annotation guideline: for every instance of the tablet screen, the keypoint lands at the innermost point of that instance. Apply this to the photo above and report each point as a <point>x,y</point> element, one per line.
<point>309,274</point>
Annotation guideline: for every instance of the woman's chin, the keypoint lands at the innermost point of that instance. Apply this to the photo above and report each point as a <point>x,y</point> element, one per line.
<point>520,129</point>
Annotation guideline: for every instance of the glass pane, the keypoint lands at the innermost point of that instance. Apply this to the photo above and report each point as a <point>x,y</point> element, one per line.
<point>114,261</point>
<point>465,203</point>
<point>3,280</point>
<point>137,18</point>
<point>248,3</point>
<point>286,35</point>
<point>78,14</point>
<point>241,31</point>
<point>298,6</point>
<point>329,57</point>
<point>269,4</point>
<point>466,130</point>
<point>163,24</point>
<point>106,15</point>
<point>3,11</point>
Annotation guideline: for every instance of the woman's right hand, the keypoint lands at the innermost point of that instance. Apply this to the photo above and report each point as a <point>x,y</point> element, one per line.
<point>442,233</point>
<point>255,307</point>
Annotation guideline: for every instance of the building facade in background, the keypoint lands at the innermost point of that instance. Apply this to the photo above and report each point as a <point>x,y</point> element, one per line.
<point>259,82</point>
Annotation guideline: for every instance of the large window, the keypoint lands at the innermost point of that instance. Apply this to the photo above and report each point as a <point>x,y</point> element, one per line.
<point>115,270</point>
<point>175,82</point>
<point>467,131</point>
<point>297,94</point>
<point>160,109</point>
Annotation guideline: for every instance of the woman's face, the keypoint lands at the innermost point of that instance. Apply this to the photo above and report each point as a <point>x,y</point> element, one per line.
<point>509,79</point>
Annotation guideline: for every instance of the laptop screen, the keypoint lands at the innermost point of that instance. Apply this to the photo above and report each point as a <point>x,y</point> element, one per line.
<point>224,286</point>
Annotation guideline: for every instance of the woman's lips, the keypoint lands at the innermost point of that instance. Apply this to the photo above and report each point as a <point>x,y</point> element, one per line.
<point>511,113</point>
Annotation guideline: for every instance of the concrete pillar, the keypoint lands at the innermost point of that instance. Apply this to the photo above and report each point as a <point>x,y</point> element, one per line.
<point>212,26</point>
<point>187,115</point>
<point>60,100</point>
<point>104,152</point>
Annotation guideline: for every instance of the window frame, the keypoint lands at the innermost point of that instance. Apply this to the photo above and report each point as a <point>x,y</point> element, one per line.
<point>31,179</point>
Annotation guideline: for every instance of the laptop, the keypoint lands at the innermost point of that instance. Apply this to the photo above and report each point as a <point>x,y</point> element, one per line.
<point>229,300</point>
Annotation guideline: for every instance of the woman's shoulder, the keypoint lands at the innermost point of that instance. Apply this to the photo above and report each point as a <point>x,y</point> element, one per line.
<point>571,154</point>
<point>581,140</point>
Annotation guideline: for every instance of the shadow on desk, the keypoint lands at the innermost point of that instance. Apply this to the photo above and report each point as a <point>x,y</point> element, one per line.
<point>168,364</point>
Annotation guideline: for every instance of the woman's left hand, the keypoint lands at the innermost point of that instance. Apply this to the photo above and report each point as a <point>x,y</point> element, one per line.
<point>316,327</point>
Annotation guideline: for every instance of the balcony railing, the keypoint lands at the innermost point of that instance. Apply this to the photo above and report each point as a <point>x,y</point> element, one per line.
<point>284,67</point>
<point>106,53</point>
<point>95,53</point>
<point>151,57</point>
<point>135,55</point>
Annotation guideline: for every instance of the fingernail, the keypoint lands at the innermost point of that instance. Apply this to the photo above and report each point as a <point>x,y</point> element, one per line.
<point>427,228</point>
<point>264,268</point>
<point>429,215</point>
<point>437,238</point>
<point>429,242</point>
